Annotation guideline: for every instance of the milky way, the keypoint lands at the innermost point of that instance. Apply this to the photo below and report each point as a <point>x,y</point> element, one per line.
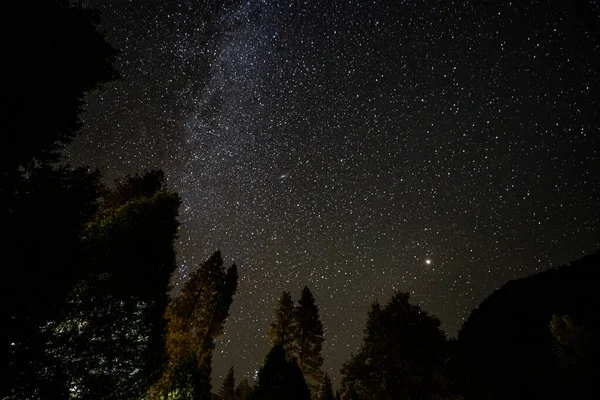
<point>358,147</point>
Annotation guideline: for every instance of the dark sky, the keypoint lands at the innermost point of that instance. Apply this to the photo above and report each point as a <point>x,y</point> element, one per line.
<point>359,147</point>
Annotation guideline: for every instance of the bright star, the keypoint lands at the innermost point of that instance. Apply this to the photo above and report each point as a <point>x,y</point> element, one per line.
<point>428,261</point>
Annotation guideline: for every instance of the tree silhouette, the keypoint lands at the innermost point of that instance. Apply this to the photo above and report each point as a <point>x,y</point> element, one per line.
<point>227,391</point>
<point>309,339</point>
<point>195,318</point>
<point>326,391</point>
<point>244,390</point>
<point>284,329</point>
<point>57,56</point>
<point>280,378</point>
<point>402,356</point>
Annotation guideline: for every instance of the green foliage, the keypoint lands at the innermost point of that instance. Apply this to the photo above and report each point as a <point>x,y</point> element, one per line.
<point>280,378</point>
<point>132,187</point>
<point>109,341</point>
<point>402,356</point>
<point>284,329</point>
<point>195,319</point>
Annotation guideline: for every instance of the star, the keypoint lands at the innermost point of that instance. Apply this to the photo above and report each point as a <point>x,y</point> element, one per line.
<point>285,117</point>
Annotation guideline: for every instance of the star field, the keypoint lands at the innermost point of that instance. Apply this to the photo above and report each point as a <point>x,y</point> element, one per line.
<point>358,147</point>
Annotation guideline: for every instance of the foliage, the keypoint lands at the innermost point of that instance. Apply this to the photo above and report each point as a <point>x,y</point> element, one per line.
<point>227,391</point>
<point>284,329</point>
<point>132,187</point>
<point>280,378</point>
<point>195,319</point>
<point>402,356</point>
<point>109,340</point>
<point>309,339</point>
<point>326,391</point>
<point>300,331</point>
<point>57,56</point>
<point>244,390</point>
<point>44,259</point>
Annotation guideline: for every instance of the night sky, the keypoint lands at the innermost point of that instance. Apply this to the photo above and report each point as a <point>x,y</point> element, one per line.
<point>358,147</point>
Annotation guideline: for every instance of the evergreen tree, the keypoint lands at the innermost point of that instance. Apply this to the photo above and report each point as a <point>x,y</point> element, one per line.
<point>60,56</point>
<point>195,319</point>
<point>309,339</point>
<point>402,356</point>
<point>284,329</point>
<point>244,390</point>
<point>337,395</point>
<point>280,378</point>
<point>227,391</point>
<point>326,392</point>
<point>44,207</point>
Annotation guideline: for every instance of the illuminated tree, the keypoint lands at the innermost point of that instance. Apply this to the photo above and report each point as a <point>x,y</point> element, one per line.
<point>110,339</point>
<point>195,319</point>
<point>283,330</point>
<point>309,339</point>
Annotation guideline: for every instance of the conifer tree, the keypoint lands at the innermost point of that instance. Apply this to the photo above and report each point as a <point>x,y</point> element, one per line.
<point>309,339</point>
<point>326,392</point>
<point>284,329</point>
<point>227,391</point>
<point>402,357</point>
<point>194,320</point>
<point>280,378</point>
<point>44,206</point>
<point>243,390</point>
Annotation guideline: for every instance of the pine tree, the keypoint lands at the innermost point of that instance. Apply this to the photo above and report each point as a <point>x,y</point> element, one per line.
<point>280,378</point>
<point>194,320</point>
<point>337,395</point>
<point>284,329</point>
<point>227,391</point>
<point>326,392</point>
<point>243,390</point>
<point>309,339</point>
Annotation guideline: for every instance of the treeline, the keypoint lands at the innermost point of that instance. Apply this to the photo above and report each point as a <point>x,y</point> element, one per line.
<point>86,312</point>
